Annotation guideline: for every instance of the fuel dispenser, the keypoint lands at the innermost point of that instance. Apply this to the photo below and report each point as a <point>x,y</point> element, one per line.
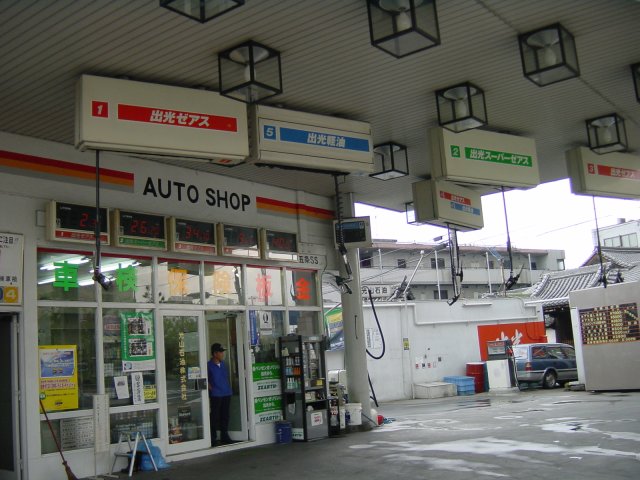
<point>500,365</point>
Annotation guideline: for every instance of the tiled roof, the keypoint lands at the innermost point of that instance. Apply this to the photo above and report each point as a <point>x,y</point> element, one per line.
<point>620,257</point>
<point>553,288</point>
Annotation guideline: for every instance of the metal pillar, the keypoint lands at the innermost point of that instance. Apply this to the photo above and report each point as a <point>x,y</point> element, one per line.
<point>353,327</point>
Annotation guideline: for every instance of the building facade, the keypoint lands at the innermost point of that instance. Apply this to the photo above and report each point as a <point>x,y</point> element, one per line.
<point>428,268</point>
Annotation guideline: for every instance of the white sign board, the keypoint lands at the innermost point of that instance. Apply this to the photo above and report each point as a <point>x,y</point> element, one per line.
<point>447,204</point>
<point>610,175</point>
<point>11,246</point>
<point>128,116</point>
<point>484,158</point>
<point>305,140</point>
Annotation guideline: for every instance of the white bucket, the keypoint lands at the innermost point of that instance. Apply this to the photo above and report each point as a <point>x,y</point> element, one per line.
<point>354,414</point>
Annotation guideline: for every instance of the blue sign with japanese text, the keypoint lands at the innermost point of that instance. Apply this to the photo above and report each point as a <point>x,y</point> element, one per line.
<point>320,139</point>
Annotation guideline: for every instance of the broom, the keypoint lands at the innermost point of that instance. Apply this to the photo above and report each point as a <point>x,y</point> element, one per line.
<point>67,468</point>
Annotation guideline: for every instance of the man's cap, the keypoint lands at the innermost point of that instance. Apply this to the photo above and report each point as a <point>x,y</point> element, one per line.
<point>216,347</point>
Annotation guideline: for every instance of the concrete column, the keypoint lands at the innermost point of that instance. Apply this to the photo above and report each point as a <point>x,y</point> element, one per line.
<point>353,327</point>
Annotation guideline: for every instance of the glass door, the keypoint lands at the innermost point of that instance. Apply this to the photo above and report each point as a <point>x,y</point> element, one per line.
<point>229,329</point>
<point>185,366</point>
<point>9,433</point>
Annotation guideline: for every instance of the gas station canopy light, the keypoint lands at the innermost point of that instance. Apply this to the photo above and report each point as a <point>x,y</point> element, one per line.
<point>250,72</point>
<point>461,107</point>
<point>403,27</point>
<point>607,134</point>
<point>201,10</point>
<point>390,160</point>
<point>548,55</point>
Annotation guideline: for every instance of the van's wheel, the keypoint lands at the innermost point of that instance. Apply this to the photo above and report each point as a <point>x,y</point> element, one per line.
<point>549,380</point>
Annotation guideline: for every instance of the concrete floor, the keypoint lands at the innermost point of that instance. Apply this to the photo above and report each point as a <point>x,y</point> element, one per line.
<point>544,434</point>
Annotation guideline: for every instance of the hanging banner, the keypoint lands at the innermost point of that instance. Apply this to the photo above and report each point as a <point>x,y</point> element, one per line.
<point>138,342</point>
<point>129,116</point>
<point>58,377</point>
<point>484,158</point>
<point>11,245</point>
<point>614,174</point>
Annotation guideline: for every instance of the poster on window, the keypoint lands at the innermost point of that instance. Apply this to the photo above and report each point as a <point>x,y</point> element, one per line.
<point>58,377</point>
<point>138,343</point>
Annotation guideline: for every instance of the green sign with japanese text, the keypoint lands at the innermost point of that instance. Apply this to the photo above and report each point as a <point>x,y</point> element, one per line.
<point>271,403</point>
<point>266,371</point>
<point>482,154</point>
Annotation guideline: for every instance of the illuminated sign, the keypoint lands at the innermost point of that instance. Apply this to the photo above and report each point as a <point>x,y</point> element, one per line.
<point>76,223</point>
<point>279,245</point>
<point>192,236</point>
<point>139,230</point>
<point>239,241</point>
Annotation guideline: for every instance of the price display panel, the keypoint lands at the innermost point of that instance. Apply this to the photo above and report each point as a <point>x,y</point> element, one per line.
<point>279,245</point>
<point>139,230</point>
<point>76,223</point>
<point>191,236</point>
<point>239,241</point>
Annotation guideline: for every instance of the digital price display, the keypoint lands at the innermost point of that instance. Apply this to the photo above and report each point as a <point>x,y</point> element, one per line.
<point>279,245</point>
<point>192,236</point>
<point>139,230</point>
<point>76,223</point>
<point>239,241</point>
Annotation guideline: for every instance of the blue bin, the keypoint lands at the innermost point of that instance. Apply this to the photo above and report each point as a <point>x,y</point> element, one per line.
<point>283,432</point>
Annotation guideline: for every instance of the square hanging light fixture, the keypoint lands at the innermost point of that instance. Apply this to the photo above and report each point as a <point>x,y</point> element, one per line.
<point>635,71</point>
<point>403,27</point>
<point>201,10</point>
<point>391,161</point>
<point>549,55</point>
<point>461,107</point>
<point>607,134</point>
<point>250,72</point>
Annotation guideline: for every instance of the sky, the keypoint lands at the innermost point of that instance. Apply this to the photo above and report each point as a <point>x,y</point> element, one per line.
<point>547,217</point>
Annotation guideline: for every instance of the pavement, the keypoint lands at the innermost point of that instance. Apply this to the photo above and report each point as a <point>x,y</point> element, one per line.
<point>549,434</point>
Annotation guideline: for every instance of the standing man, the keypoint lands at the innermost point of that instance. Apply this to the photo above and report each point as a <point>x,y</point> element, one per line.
<point>219,395</point>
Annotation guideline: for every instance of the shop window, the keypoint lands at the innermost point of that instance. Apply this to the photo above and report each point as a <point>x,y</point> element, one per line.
<point>178,281</point>
<point>65,275</point>
<point>264,286</point>
<point>129,348</point>
<point>302,287</point>
<point>131,279</point>
<point>145,422</point>
<point>67,357</point>
<point>304,323</point>
<point>265,328</point>
<point>72,433</point>
<point>222,284</point>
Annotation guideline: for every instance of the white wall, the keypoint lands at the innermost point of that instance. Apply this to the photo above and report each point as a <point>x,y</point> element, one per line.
<point>443,338</point>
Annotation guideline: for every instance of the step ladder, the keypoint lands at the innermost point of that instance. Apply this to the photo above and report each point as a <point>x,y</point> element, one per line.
<point>131,441</point>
